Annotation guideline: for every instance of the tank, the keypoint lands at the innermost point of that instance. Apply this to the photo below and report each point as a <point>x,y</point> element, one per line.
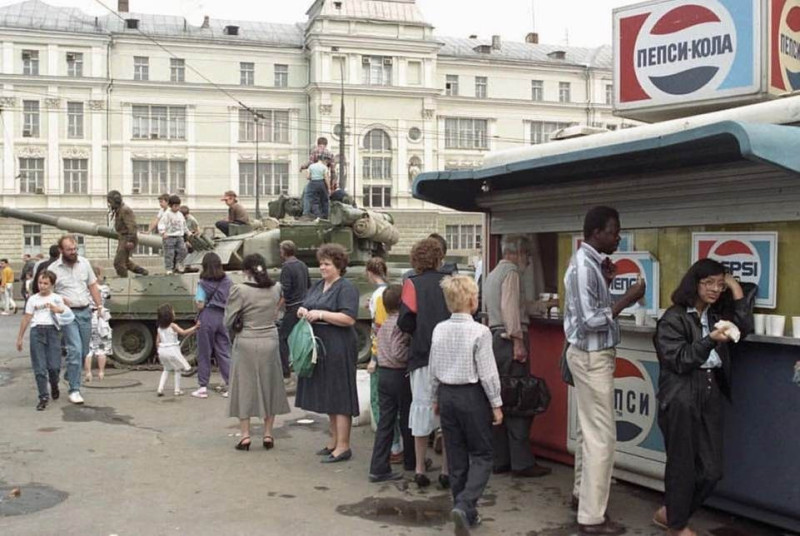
<point>134,299</point>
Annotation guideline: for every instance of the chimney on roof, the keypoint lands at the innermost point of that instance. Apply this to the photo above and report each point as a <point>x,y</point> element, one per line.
<point>496,43</point>
<point>532,38</point>
<point>123,6</point>
<point>205,22</point>
<point>473,36</point>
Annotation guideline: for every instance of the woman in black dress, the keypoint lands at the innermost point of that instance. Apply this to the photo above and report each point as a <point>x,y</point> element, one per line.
<point>331,306</point>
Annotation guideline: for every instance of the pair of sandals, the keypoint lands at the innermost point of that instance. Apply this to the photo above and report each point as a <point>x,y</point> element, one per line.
<point>244,444</point>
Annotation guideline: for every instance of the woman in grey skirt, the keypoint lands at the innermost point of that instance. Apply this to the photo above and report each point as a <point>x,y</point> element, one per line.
<point>256,388</point>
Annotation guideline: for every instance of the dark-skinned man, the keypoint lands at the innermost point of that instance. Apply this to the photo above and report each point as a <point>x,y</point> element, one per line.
<point>125,226</point>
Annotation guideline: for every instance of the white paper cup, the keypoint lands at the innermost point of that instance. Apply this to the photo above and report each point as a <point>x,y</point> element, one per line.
<point>760,324</point>
<point>777,324</point>
<point>796,327</point>
<point>640,316</point>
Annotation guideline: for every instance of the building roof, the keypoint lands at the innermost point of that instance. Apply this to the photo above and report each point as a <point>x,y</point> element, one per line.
<point>403,11</point>
<point>38,15</point>
<point>606,157</point>
<point>600,57</point>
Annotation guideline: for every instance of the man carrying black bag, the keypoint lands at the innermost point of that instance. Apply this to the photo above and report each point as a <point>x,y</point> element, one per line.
<point>502,294</point>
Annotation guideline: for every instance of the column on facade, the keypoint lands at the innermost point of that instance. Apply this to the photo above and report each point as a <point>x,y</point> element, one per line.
<point>53,105</point>
<point>126,162</point>
<point>233,152</point>
<point>8,58</point>
<point>97,63</point>
<point>191,157</point>
<point>297,151</point>
<point>52,61</point>
<point>98,174</point>
<point>9,134</point>
<point>401,167</point>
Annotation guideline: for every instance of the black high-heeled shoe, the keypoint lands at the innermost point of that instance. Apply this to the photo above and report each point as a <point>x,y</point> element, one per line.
<point>268,442</point>
<point>241,445</point>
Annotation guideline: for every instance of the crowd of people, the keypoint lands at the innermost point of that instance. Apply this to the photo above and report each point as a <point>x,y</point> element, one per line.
<point>434,366</point>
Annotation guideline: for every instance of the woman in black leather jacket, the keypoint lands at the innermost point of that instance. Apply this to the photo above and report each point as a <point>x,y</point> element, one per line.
<point>695,373</point>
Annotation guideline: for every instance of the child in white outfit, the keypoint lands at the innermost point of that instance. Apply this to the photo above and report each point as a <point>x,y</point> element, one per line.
<point>169,348</point>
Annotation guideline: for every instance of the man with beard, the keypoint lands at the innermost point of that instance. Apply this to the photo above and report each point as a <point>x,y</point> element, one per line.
<point>77,284</point>
<point>125,226</point>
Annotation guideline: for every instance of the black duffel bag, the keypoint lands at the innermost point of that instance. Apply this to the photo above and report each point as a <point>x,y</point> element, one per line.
<point>524,395</point>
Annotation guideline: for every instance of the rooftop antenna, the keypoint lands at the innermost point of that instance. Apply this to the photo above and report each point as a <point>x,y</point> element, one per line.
<point>533,15</point>
<point>566,36</point>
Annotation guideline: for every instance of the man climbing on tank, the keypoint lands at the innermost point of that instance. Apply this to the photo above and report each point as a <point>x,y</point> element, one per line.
<point>125,226</point>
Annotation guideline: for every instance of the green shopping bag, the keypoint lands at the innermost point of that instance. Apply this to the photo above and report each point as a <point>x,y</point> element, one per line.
<point>303,351</point>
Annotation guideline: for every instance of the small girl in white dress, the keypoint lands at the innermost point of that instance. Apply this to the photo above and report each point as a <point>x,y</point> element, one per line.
<point>169,348</point>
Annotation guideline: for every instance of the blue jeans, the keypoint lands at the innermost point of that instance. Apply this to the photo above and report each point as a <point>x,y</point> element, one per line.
<point>77,335</point>
<point>317,194</point>
<point>45,357</point>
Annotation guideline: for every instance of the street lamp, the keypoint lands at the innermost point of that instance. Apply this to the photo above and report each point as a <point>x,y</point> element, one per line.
<point>341,122</point>
<point>256,116</point>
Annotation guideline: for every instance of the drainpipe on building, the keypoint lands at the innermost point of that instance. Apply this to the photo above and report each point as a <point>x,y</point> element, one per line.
<point>108,133</point>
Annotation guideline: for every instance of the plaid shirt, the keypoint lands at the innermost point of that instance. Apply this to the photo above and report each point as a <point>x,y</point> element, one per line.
<point>461,353</point>
<point>321,152</point>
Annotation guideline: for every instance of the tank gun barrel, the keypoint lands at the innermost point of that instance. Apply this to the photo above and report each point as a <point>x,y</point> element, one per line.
<point>73,225</point>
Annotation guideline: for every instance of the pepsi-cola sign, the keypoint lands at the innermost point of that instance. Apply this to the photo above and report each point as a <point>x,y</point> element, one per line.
<point>629,267</point>
<point>785,45</point>
<point>635,403</point>
<point>678,51</point>
<point>750,257</point>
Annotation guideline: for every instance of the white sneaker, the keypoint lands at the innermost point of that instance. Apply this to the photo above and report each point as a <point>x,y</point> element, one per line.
<point>200,393</point>
<point>178,393</point>
<point>75,397</point>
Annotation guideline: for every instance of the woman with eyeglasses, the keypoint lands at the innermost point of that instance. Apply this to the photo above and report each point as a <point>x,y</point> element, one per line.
<point>693,352</point>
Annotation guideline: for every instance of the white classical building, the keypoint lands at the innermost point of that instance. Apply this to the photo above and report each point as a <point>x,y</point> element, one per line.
<point>147,104</point>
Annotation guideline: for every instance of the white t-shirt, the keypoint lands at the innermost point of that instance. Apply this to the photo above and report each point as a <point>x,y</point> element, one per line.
<point>167,337</point>
<point>37,305</point>
<point>172,223</point>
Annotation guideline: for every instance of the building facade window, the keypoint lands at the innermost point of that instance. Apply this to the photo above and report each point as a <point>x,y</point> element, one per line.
<point>273,126</point>
<point>481,87</point>
<point>451,85</point>
<point>75,120</point>
<point>32,239</point>
<point>155,177</point>
<point>542,130</point>
<point>609,94</point>
<point>141,68</point>
<point>281,75</point>
<point>464,236</point>
<point>465,133</point>
<point>30,119</point>
<point>177,70</point>
<point>31,175</point>
<point>537,90</point>
<point>247,73</point>
<point>30,62</point>
<point>75,64</point>
<point>377,196</point>
<point>377,70</point>
<point>273,176</point>
<point>159,122</point>
<point>564,92</point>
<point>76,175</point>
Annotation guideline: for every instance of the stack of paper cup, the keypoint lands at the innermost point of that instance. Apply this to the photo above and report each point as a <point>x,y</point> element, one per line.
<point>640,316</point>
<point>796,327</point>
<point>776,325</point>
<point>760,324</point>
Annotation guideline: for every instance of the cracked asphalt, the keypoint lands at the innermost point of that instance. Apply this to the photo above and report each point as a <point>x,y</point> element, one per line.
<point>129,463</point>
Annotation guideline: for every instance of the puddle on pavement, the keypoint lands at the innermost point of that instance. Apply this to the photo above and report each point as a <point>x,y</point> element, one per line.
<point>321,488</point>
<point>48,429</point>
<point>32,498</point>
<point>434,511</point>
<point>5,376</point>
<point>103,414</point>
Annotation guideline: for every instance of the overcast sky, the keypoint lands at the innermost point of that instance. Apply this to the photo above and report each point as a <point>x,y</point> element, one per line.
<point>580,22</point>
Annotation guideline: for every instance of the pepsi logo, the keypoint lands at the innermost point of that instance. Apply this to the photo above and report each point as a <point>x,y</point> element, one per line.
<point>628,271</point>
<point>634,401</point>
<point>789,44</point>
<point>738,256</point>
<point>686,49</point>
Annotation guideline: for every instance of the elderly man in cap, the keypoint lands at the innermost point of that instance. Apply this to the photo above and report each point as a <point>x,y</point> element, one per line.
<point>236,213</point>
<point>125,226</point>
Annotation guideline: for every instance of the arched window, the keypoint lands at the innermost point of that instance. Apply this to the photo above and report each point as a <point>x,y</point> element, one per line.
<point>377,169</point>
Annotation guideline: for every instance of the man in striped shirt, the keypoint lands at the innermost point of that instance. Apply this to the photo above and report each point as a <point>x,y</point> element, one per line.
<point>590,325</point>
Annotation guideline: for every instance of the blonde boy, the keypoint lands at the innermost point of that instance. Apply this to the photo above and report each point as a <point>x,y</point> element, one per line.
<point>466,388</point>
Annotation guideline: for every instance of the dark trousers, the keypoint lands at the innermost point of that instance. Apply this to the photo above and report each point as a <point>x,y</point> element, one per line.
<point>225,226</point>
<point>45,358</point>
<point>467,430</point>
<point>692,427</point>
<point>123,263</point>
<point>512,444</point>
<point>394,398</point>
<point>212,337</point>
<point>317,194</point>
<point>288,323</point>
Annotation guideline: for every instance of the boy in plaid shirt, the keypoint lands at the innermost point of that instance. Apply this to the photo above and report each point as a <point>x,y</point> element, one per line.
<point>466,388</point>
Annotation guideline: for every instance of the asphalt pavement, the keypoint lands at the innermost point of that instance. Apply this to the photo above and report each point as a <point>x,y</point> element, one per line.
<point>130,463</point>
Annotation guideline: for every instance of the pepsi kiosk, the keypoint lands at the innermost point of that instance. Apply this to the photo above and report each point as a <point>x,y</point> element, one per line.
<point>724,185</point>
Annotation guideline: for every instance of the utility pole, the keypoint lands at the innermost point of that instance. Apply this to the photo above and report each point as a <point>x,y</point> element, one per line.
<point>256,117</point>
<point>342,128</point>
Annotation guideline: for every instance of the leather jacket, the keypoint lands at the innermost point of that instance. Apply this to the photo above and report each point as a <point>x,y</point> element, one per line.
<point>682,349</point>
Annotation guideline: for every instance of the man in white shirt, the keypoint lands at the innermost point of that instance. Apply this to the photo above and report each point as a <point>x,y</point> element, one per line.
<point>77,284</point>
